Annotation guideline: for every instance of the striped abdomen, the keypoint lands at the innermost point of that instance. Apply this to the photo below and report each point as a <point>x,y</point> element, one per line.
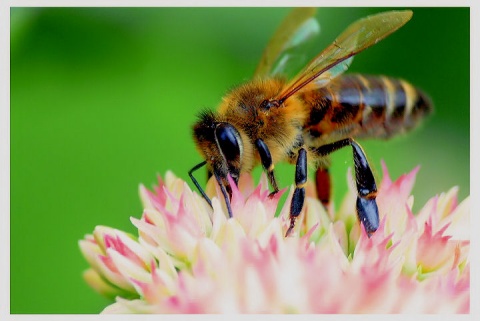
<point>363,106</point>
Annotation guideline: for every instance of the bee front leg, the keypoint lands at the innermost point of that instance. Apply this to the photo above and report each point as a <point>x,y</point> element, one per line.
<point>367,209</point>
<point>226,191</point>
<point>299,194</point>
<point>267,164</point>
<point>195,182</point>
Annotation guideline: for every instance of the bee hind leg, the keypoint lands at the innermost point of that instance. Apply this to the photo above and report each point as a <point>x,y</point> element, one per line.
<point>367,209</point>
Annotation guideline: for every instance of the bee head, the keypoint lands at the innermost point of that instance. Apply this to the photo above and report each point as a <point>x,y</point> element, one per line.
<point>220,144</point>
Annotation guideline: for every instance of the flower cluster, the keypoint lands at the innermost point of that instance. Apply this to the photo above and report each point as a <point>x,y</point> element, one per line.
<point>188,258</point>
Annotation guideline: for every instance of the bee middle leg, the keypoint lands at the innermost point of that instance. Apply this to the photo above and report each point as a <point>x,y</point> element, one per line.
<point>299,194</point>
<point>367,209</point>
<point>267,164</point>
<point>300,179</point>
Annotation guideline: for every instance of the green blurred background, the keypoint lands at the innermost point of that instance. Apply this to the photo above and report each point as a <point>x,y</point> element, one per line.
<point>103,99</point>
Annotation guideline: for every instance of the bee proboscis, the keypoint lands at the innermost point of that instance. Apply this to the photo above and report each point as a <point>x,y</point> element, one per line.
<point>302,120</point>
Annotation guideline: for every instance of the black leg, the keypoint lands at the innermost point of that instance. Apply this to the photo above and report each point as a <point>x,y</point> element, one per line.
<point>367,210</point>
<point>299,194</point>
<point>195,182</point>
<point>267,163</point>
<point>225,193</point>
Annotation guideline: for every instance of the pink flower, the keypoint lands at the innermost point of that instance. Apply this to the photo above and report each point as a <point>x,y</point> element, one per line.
<point>189,258</point>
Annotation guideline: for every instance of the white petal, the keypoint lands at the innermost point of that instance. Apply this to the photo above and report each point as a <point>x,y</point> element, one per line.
<point>144,197</point>
<point>218,218</point>
<point>127,268</point>
<point>99,284</point>
<point>165,262</point>
<point>460,226</point>
<point>90,251</point>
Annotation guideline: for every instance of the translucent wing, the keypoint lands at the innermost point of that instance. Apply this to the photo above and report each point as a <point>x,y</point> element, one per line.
<point>279,55</point>
<point>336,58</point>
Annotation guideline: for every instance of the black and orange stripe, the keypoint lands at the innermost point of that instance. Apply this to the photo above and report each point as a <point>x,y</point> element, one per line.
<point>363,107</point>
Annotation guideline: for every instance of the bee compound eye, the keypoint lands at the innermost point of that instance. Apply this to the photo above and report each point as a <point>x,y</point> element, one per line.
<point>228,140</point>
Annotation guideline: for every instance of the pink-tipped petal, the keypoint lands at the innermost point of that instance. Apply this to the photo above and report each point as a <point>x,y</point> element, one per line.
<point>191,259</point>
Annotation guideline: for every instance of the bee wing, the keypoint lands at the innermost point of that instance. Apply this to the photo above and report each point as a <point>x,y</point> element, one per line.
<point>279,55</point>
<point>336,58</point>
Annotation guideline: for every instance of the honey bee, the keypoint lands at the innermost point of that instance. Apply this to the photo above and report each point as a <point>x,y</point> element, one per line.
<point>301,121</point>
